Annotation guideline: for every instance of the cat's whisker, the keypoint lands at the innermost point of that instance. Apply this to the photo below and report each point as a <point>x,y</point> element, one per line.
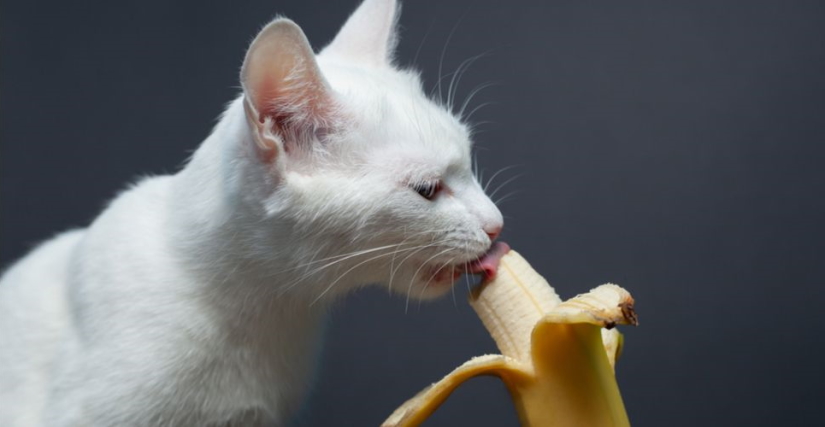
<point>470,116</point>
<point>337,258</point>
<point>499,172</point>
<point>467,276</point>
<point>501,200</point>
<point>412,254</point>
<point>441,59</point>
<point>470,97</point>
<point>331,285</point>
<point>392,274</point>
<point>392,262</point>
<point>309,273</point>
<point>315,256</point>
<point>476,171</point>
<point>427,284</point>
<point>452,286</point>
<point>456,78</point>
<point>414,275</point>
<point>342,257</point>
<point>467,281</point>
<point>423,39</point>
<point>395,249</point>
<point>476,129</point>
<point>511,179</point>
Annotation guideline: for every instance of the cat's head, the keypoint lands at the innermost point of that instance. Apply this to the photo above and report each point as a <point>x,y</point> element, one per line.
<point>372,177</point>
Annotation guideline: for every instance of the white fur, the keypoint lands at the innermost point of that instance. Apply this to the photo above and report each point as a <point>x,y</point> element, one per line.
<point>199,298</point>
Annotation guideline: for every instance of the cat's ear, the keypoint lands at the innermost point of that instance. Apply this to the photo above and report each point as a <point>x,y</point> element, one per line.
<point>285,93</point>
<point>369,35</point>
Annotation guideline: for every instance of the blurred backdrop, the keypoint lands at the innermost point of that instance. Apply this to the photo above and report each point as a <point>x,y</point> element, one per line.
<point>675,148</point>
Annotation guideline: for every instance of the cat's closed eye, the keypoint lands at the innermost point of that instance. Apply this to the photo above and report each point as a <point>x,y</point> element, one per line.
<point>427,189</point>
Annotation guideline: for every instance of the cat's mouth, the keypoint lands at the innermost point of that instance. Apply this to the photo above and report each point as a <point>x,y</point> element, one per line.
<point>485,265</point>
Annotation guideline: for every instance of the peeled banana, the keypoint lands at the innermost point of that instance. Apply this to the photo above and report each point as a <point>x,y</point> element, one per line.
<point>556,357</point>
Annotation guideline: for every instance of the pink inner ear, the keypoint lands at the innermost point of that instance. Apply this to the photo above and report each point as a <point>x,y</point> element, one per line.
<point>282,79</point>
<point>293,104</point>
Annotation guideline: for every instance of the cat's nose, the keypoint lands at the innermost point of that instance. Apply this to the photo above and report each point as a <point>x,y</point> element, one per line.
<point>493,231</point>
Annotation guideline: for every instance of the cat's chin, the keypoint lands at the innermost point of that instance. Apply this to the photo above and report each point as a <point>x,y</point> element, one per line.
<point>439,281</point>
<point>429,282</point>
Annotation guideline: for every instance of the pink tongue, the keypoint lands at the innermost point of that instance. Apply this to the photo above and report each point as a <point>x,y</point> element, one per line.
<point>487,265</point>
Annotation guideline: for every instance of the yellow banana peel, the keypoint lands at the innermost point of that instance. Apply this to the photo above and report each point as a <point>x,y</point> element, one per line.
<point>556,357</point>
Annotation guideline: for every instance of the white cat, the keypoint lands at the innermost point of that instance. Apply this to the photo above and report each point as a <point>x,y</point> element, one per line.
<point>198,298</point>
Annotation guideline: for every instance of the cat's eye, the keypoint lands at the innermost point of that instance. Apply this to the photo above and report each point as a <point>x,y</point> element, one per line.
<point>427,189</point>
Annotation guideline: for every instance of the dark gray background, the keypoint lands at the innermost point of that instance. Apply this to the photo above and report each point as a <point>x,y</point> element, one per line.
<point>675,148</point>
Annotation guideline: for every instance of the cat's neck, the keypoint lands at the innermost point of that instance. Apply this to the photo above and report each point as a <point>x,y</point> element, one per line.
<point>217,228</point>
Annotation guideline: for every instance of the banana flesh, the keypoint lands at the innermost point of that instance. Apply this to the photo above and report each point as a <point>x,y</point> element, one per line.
<point>556,358</point>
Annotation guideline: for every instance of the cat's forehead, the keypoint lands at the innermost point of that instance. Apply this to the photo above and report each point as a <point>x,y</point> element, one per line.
<point>390,106</point>
<point>348,75</point>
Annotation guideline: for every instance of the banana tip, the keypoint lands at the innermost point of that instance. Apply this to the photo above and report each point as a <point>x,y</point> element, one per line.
<point>629,313</point>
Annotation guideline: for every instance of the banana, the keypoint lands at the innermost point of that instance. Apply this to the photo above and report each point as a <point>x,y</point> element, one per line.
<point>556,357</point>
